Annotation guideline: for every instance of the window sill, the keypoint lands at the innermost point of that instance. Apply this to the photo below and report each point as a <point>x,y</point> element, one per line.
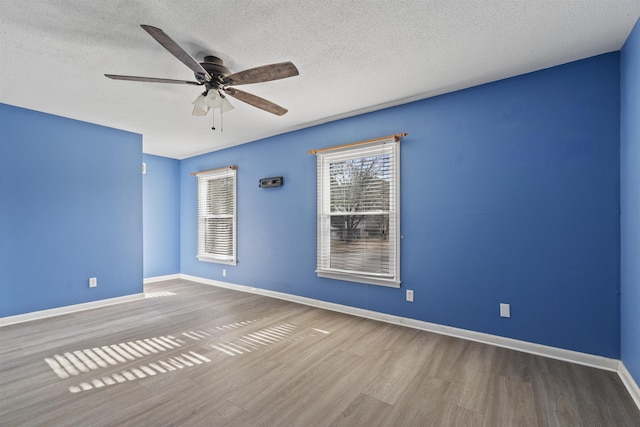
<point>367,280</point>
<point>217,260</point>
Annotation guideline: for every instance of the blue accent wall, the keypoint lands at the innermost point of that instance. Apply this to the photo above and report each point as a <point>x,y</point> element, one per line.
<point>630,203</point>
<point>70,209</point>
<point>161,216</point>
<point>510,194</point>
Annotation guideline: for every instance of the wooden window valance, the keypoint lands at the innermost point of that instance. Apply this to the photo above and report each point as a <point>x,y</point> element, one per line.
<point>397,137</point>
<point>232,167</point>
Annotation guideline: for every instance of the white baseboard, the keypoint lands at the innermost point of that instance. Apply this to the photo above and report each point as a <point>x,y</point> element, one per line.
<point>161,278</point>
<point>629,383</point>
<point>35,315</point>
<point>510,343</point>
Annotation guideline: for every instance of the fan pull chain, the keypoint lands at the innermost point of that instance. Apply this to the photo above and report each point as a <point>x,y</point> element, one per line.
<point>213,121</point>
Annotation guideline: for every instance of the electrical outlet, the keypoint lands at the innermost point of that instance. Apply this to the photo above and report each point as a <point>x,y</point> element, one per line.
<point>410,295</point>
<point>505,310</point>
<point>224,272</point>
<point>93,282</point>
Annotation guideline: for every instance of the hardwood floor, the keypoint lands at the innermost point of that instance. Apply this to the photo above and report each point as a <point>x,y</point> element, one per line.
<point>195,355</point>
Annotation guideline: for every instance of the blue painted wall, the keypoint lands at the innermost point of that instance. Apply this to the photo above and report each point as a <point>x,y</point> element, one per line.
<point>161,216</point>
<point>630,203</point>
<point>510,193</point>
<point>70,209</point>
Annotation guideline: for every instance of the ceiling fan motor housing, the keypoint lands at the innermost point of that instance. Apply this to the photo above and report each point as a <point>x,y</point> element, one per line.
<point>215,67</point>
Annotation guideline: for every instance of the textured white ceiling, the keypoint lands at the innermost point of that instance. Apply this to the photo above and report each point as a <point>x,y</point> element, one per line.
<point>353,56</point>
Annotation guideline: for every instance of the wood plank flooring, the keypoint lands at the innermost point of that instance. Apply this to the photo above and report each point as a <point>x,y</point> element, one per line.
<point>195,355</point>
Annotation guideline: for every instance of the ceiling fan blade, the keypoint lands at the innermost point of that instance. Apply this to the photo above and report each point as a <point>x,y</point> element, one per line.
<point>265,73</point>
<point>256,101</point>
<point>175,49</point>
<point>150,79</point>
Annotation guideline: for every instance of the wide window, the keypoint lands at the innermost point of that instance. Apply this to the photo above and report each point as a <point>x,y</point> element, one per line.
<point>217,215</point>
<point>358,213</point>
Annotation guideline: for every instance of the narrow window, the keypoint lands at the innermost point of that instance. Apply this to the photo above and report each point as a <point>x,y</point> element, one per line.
<point>358,213</point>
<point>217,216</point>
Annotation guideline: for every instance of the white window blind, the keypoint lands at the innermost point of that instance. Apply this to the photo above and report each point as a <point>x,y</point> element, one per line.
<point>358,213</point>
<point>217,216</point>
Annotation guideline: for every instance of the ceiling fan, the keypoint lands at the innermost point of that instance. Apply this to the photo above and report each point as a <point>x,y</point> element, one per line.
<point>217,80</point>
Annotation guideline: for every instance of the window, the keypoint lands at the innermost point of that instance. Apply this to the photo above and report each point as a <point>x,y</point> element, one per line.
<point>217,215</point>
<point>358,213</point>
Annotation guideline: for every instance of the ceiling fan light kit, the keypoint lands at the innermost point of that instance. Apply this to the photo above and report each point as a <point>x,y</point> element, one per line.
<point>210,100</point>
<point>214,100</point>
<point>217,80</point>
<point>200,108</point>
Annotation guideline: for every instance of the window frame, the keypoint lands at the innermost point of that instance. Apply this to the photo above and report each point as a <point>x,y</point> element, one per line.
<point>203,203</point>
<point>324,213</point>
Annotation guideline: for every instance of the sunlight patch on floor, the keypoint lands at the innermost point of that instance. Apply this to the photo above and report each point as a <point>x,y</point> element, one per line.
<point>75,362</point>
<point>184,360</point>
<point>159,294</point>
<point>255,340</point>
<point>149,352</point>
